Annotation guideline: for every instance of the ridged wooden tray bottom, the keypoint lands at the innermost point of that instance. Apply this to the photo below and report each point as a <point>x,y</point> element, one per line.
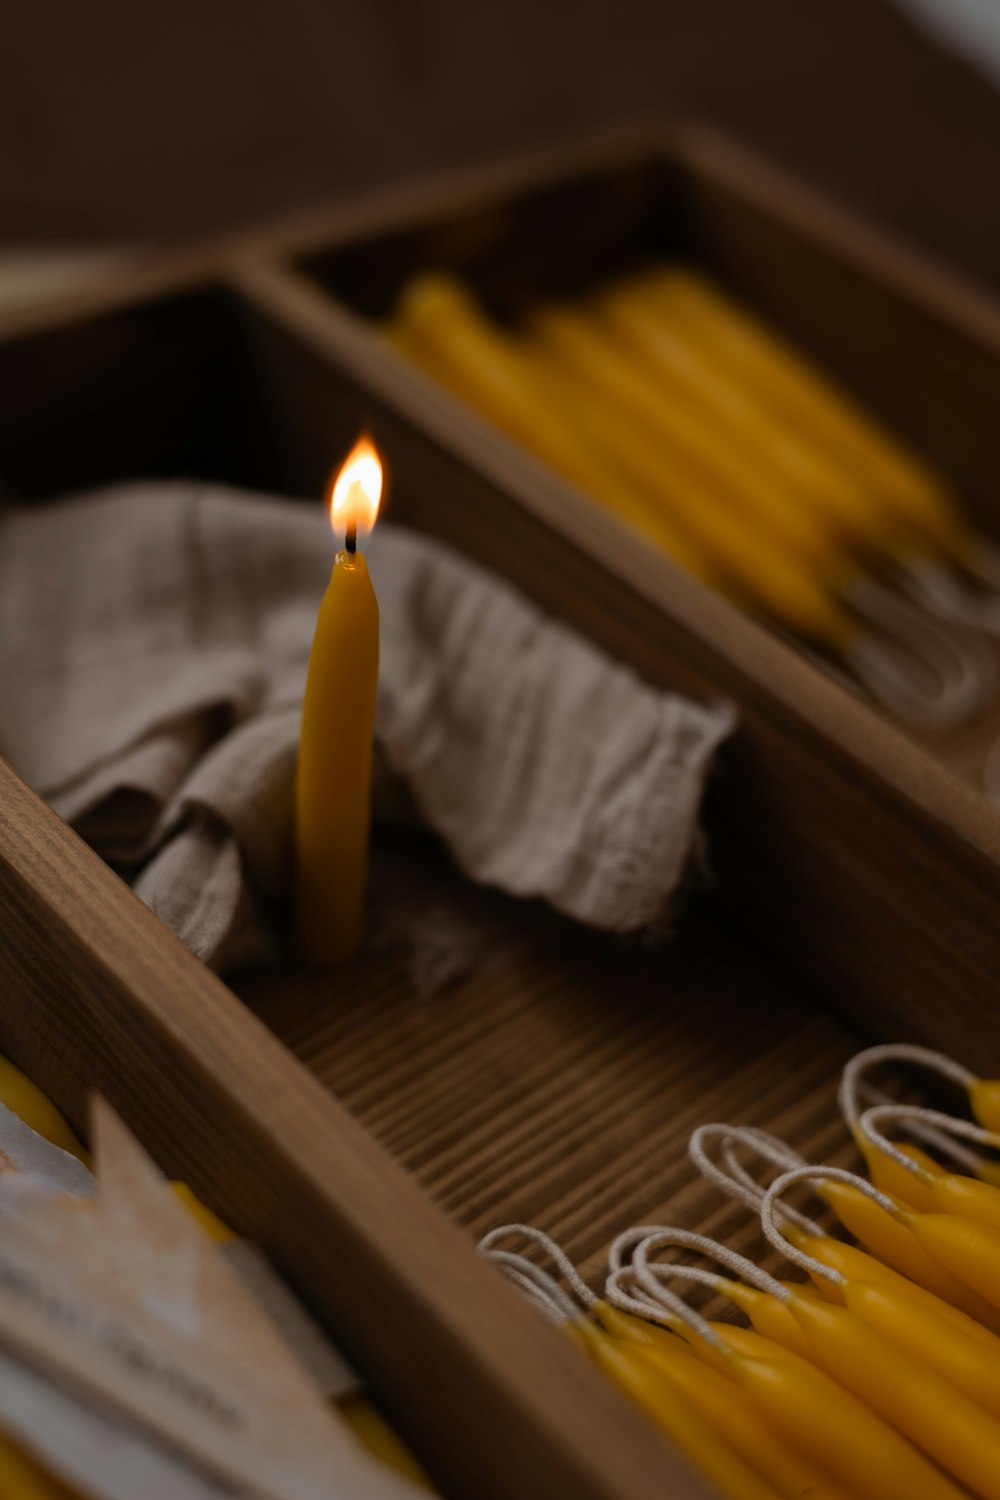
<point>557,1081</point>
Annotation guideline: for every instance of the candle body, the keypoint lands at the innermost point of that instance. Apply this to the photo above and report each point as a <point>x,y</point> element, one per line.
<point>897,1245</point>
<point>669,1407</point>
<point>959,1435</point>
<point>889,1176</point>
<point>828,1426</point>
<point>333,785</point>
<point>857,1265</point>
<point>967,1362</point>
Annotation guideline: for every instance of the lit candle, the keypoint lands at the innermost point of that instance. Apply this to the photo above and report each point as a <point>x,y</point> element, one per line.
<point>333,786</point>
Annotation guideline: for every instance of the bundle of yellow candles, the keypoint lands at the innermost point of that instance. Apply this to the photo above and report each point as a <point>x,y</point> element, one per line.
<point>877,1378</point>
<point>674,407</point>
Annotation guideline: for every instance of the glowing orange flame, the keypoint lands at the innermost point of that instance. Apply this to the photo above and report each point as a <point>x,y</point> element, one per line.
<point>356,491</point>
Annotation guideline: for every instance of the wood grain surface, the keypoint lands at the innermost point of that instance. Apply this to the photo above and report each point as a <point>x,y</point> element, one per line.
<point>838,841</point>
<point>98,995</point>
<point>557,1079</point>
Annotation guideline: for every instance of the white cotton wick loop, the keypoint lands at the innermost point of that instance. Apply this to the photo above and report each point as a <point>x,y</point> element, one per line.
<point>555,1253</point>
<point>623,1245</point>
<point>943,1144</point>
<point>537,1284</point>
<point>733,1179</point>
<point>908,1114</point>
<point>735,1183</point>
<point>929,672</point>
<point>686,1239</point>
<point>943,591</point>
<point>895,1052</point>
<point>641,1306</point>
<point>951,595</point>
<point>650,1283</point>
<point>854,1084</point>
<point>772,1207</point>
<point>778,1153</point>
<point>550,1311</point>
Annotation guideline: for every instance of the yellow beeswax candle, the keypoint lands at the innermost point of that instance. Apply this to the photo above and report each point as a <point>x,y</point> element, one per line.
<point>666,354</point>
<point>769,1316</point>
<point>970,1251</point>
<point>22,1479</point>
<point>984,1097</point>
<point>893,1178</point>
<point>970,1363</point>
<point>811,403</point>
<point>681,433</point>
<point>823,1421</point>
<point>572,426</point>
<point>858,1265</point>
<point>959,1435</point>
<point>827,1426</point>
<point>896,1242</point>
<point>26,1100</point>
<point>917,1322</point>
<point>726,1406</point>
<point>815,1415</point>
<point>921,1182</point>
<point>441,328</point>
<point>672,1411</point>
<point>333,785</point>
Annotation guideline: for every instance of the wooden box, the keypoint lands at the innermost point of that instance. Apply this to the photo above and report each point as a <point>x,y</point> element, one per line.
<point>357,1129</point>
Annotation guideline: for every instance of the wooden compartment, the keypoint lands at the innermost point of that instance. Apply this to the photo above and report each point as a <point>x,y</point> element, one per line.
<point>856,879</point>
<point>877,319</point>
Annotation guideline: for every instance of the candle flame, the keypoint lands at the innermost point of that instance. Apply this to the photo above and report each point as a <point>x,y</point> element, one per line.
<point>356,491</point>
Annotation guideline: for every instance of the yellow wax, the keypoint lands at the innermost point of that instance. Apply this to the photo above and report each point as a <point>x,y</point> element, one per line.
<point>731,1411</point>
<point>955,1194</point>
<point>727,1407</point>
<point>897,1244</point>
<point>830,1428</point>
<point>857,1265</point>
<point>26,1100</point>
<point>984,1096</point>
<point>968,1362</point>
<point>333,787</point>
<point>971,1251</point>
<point>681,432</point>
<point>959,1435</point>
<point>891,1177</point>
<point>782,378</point>
<point>769,1316</point>
<point>820,1420</point>
<point>637,1375</point>
<point>22,1479</point>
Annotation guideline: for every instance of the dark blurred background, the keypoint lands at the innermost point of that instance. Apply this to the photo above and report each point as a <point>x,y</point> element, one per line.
<point>125,121</point>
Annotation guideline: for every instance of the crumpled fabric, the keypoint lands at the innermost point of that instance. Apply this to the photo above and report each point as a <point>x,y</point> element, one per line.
<point>154,640</point>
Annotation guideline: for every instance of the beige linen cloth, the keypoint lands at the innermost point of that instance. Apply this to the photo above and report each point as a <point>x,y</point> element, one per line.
<point>153,648</point>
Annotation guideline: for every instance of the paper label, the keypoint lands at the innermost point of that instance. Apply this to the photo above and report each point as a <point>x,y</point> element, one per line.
<point>24,1150</point>
<point>126,1302</point>
<point>101,1457</point>
<point>327,1366</point>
